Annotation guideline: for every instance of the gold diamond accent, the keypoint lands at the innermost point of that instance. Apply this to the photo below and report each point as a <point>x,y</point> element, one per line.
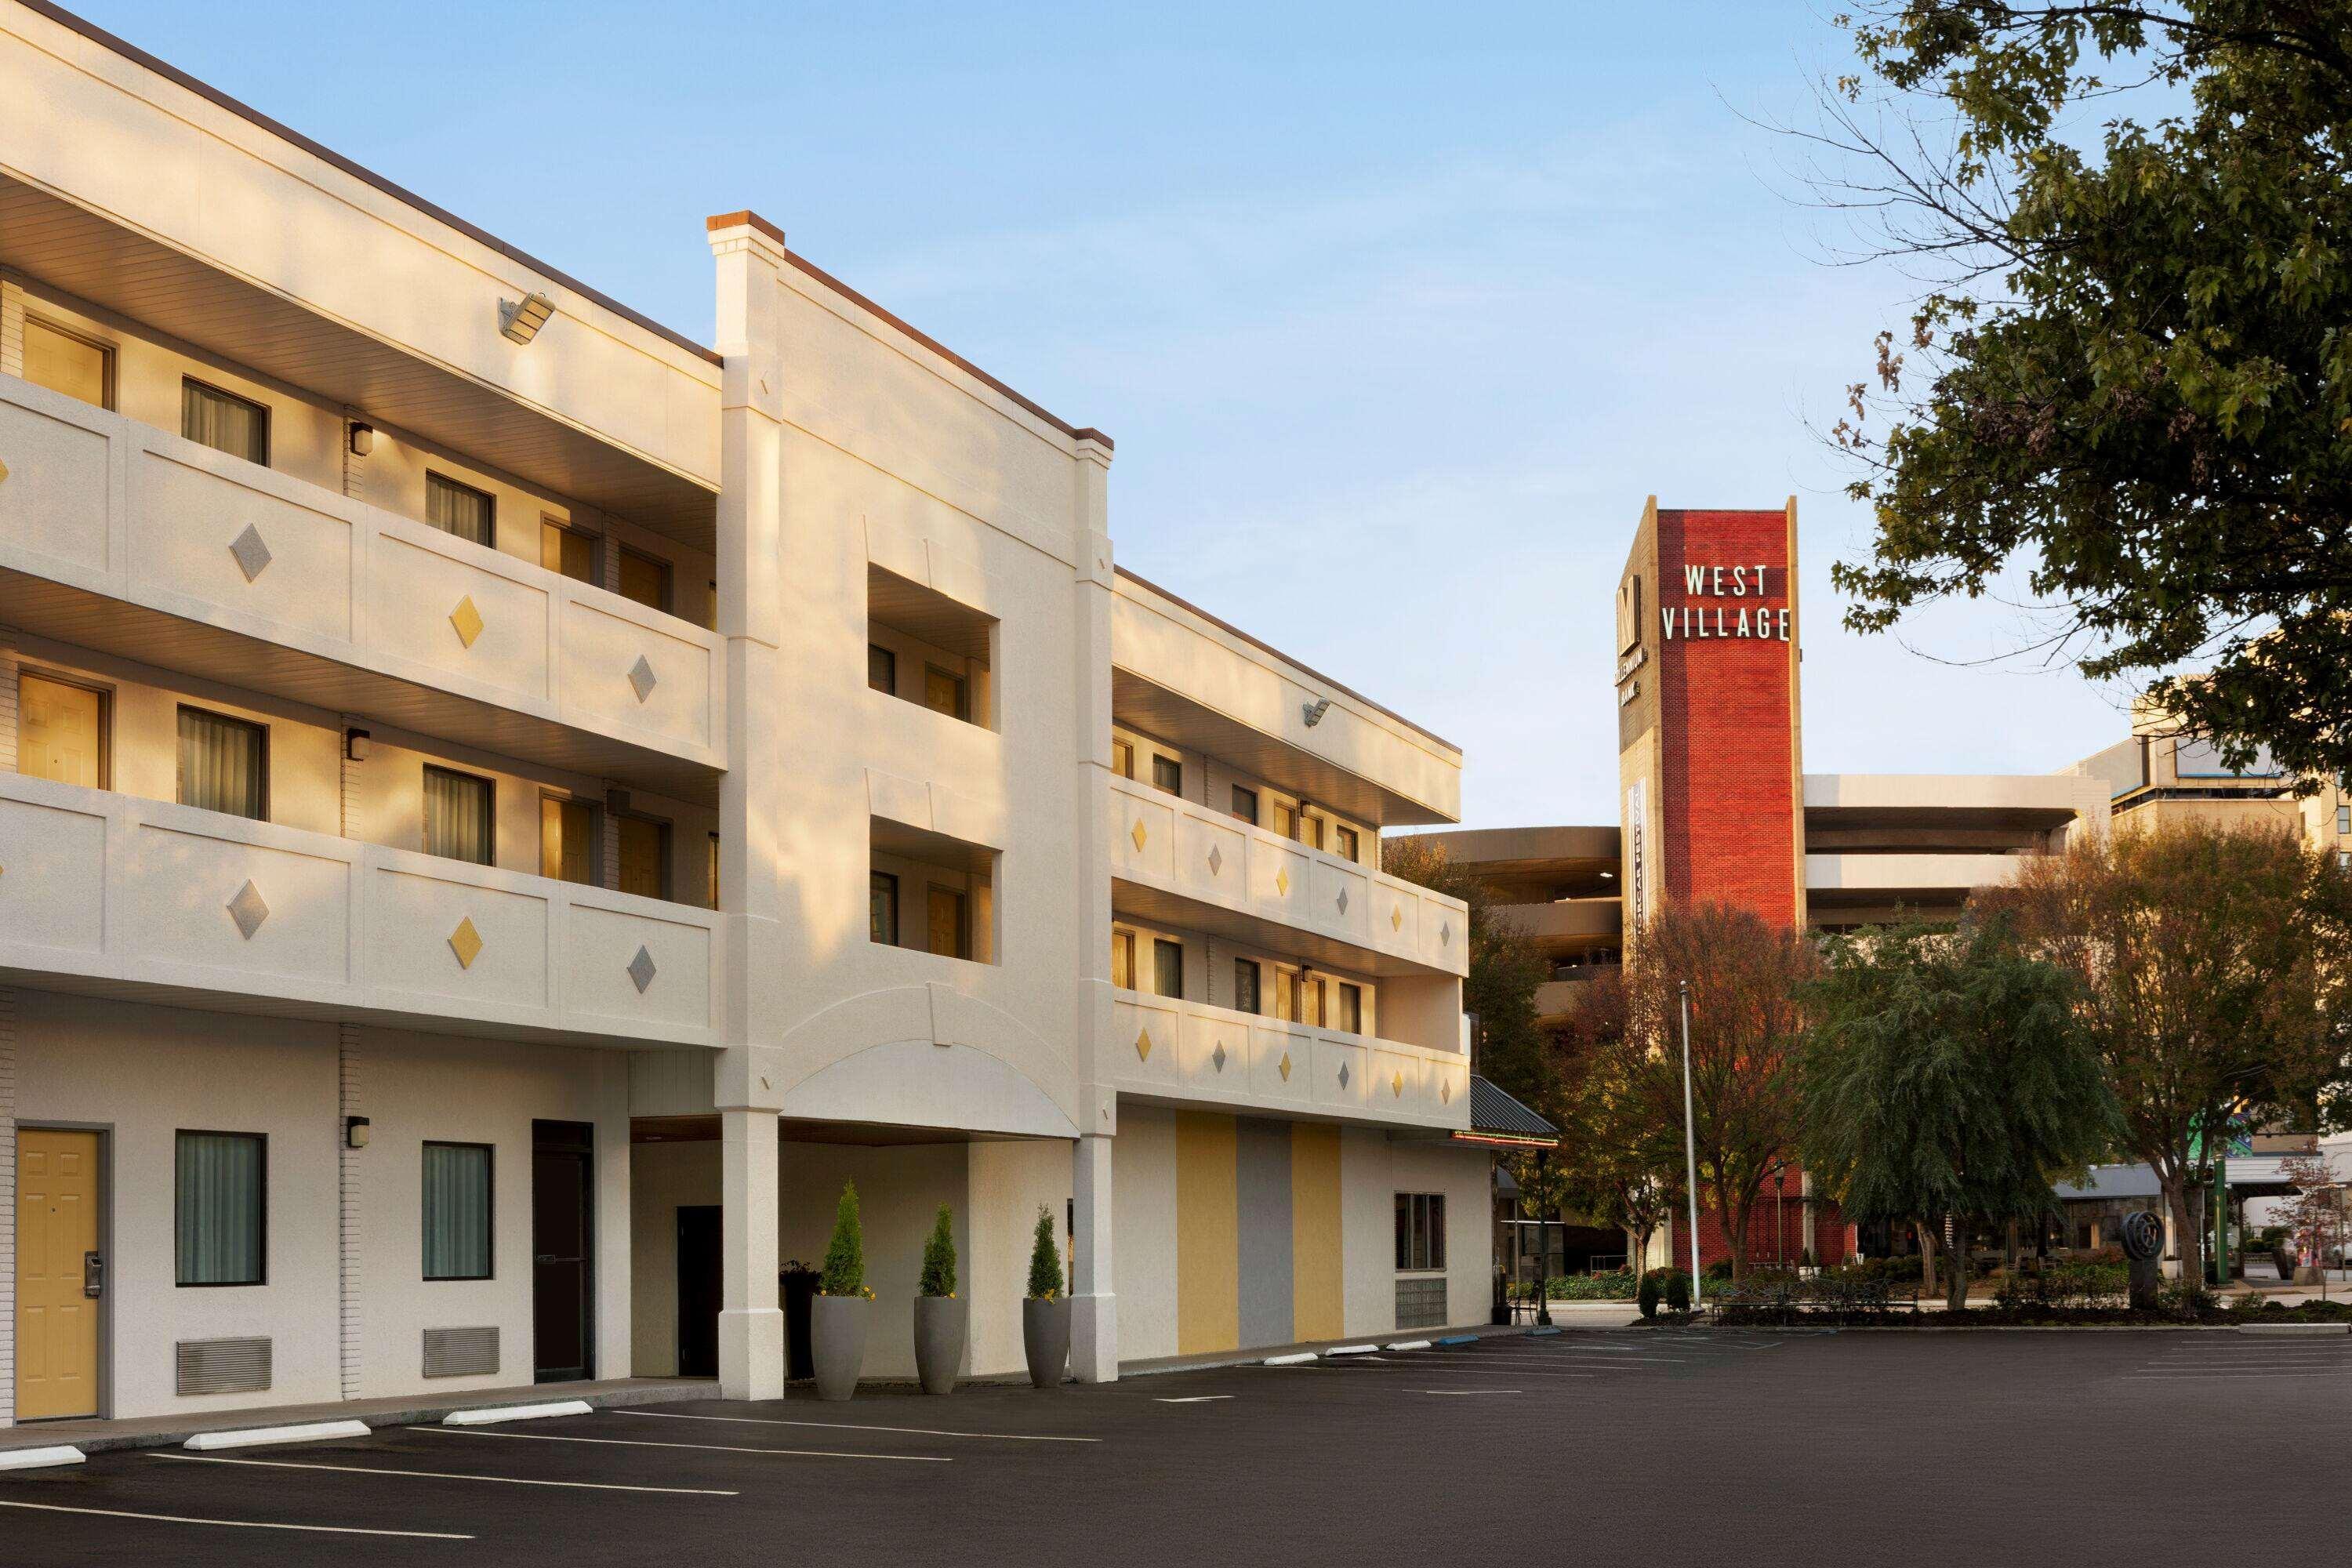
<point>465,942</point>
<point>3,470</point>
<point>1282,881</point>
<point>1286,1067</point>
<point>468,620</point>
<point>1396,917</point>
<point>1138,833</point>
<point>1143,1045</point>
<point>1396,1085</point>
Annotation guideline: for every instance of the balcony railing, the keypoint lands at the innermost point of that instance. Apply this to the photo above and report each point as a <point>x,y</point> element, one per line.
<point>1180,846</point>
<point>1170,1049</point>
<point>97,501</point>
<point>100,890</point>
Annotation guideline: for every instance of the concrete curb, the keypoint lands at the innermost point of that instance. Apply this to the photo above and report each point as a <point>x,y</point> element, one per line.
<point>2336,1329</point>
<point>40,1458</point>
<point>491,1415</point>
<point>257,1436</point>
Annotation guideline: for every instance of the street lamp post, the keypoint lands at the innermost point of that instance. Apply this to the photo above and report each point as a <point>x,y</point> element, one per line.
<point>1690,1152</point>
<point>1780,1219</point>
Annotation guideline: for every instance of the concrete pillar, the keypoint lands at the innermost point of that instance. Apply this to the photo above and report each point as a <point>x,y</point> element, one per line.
<point>750,1321</point>
<point>612,1354</point>
<point>9,672</point>
<point>349,1104</point>
<point>8,1205</point>
<point>1094,1307</point>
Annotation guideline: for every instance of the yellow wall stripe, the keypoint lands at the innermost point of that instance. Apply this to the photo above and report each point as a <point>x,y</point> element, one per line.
<point>1317,1308</point>
<point>1208,1233</point>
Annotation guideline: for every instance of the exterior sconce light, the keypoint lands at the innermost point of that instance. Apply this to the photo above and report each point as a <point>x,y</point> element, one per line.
<point>355,1131</point>
<point>355,744</point>
<point>617,801</point>
<point>362,438</point>
<point>1314,711</point>
<point>520,319</point>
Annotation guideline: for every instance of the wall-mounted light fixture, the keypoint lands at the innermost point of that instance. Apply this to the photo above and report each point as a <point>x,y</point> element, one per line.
<point>617,801</point>
<point>355,744</point>
<point>520,319</point>
<point>1314,711</point>
<point>362,438</point>
<point>355,1131</point>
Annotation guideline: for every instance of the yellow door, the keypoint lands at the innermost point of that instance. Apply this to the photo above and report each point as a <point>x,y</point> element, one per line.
<point>62,737</point>
<point>56,1228</point>
<point>942,692</point>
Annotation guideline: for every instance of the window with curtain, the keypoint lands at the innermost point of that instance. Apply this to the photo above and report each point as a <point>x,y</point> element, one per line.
<point>224,764</point>
<point>219,1197</point>
<point>460,509</point>
<point>1245,984</point>
<point>457,816</point>
<point>225,422</point>
<point>882,909</point>
<point>458,1211</point>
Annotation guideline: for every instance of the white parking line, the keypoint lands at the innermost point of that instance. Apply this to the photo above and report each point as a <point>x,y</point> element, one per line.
<point>1189,1399</point>
<point>440,1474</point>
<point>235,1523</point>
<point>853,1426</point>
<point>1455,1392</point>
<point>690,1448</point>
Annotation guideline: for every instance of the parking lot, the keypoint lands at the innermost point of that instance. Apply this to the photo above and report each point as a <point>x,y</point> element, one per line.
<point>1769,1447</point>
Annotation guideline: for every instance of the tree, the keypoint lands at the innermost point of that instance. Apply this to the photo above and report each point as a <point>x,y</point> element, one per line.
<point>2196,952</point>
<point>2316,1218</point>
<point>1044,1259</point>
<point>939,1277</point>
<point>2130,378</point>
<point>1947,1074</point>
<point>1514,1048</point>
<point>844,1255</point>
<point>1614,1161</point>
<point>1747,1026</point>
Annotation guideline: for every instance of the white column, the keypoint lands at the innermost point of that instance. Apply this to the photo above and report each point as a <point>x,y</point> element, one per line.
<point>347,1204</point>
<point>8,698</point>
<point>1094,1308</point>
<point>8,1205</point>
<point>613,1355</point>
<point>749,252</point>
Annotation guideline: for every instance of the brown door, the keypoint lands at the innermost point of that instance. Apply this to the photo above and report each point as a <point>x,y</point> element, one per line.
<point>947,923</point>
<point>644,857</point>
<point>59,1273</point>
<point>563,1260</point>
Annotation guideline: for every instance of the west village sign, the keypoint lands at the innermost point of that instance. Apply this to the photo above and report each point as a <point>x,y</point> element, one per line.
<point>1724,620</point>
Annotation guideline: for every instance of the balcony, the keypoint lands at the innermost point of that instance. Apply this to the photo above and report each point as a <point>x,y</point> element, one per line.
<point>1185,864</point>
<point>118,536</point>
<point>117,895</point>
<point>1190,1053</point>
<point>1569,925</point>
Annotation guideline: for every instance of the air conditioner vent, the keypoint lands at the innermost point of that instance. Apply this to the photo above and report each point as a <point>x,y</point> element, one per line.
<point>222,1366</point>
<point>461,1353</point>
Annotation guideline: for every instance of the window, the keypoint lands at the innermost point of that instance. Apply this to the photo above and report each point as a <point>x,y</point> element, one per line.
<point>1351,1008</point>
<point>714,871</point>
<point>567,841</point>
<point>61,731</point>
<point>1311,993</point>
<point>458,1211</point>
<point>219,1208</point>
<point>1245,985</point>
<point>1348,844</point>
<point>644,857</point>
<point>950,931</point>
<point>2344,819</point>
<point>568,551</point>
<point>882,909</point>
<point>1245,804</point>
<point>1122,960</point>
<point>945,693</point>
<point>224,764</point>
<point>1313,835</point>
<point>1167,967</point>
<point>645,579</point>
<point>1122,759</point>
<point>881,671</point>
<point>1420,1232</point>
<point>225,422</point>
<point>1285,995</point>
<point>1286,820</point>
<point>459,823</point>
<point>463,511</point>
<point>62,361</point>
<point>1168,773</point>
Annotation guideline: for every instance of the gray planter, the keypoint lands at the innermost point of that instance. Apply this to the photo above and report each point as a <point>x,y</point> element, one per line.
<point>1045,1335</point>
<point>940,1324</point>
<point>838,1342</point>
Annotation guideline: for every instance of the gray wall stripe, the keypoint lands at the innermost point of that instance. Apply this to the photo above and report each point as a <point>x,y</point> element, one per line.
<point>1263,1189</point>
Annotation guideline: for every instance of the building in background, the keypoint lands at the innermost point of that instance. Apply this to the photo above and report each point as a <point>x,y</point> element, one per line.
<point>504,809</point>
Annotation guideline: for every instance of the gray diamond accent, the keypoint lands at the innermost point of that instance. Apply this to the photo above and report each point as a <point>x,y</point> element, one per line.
<point>252,554</point>
<point>1218,1056</point>
<point>1343,1074</point>
<point>641,679</point>
<point>1445,934</point>
<point>248,909</point>
<point>642,971</point>
<point>1343,900</point>
<point>1216,860</point>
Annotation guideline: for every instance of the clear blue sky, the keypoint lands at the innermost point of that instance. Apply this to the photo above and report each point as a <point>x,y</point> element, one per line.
<point>1396,313</point>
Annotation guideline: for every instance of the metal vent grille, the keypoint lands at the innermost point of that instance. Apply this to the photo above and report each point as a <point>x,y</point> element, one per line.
<point>461,1353</point>
<point>1421,1303</point>
<point>222,1366</point>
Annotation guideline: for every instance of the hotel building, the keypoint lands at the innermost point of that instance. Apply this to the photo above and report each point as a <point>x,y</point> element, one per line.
<point>505,808</point>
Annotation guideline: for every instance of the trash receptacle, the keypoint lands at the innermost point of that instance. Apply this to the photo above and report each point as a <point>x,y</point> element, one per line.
<point>797,1284</point>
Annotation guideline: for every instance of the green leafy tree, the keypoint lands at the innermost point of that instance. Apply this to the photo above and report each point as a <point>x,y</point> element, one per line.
<point>2130,380</point>
<point>1615,1161</point>
<point>1044,1259</point>
<point>1948,1074</point>
<point>2197,952</point>
<point>940,1256</point>
<point>1514,1049</point>
<point>844,1255</point>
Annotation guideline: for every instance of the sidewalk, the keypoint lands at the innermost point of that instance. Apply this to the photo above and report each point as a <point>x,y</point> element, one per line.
<point>160,1431</point>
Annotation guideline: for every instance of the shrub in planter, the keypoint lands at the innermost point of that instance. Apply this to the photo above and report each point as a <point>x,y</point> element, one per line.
<point>1646,1295</point>
<point>839,1315</point>
<point>1678,1291</point>
<point>942,1319</point>
<point>1046,1315</point>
